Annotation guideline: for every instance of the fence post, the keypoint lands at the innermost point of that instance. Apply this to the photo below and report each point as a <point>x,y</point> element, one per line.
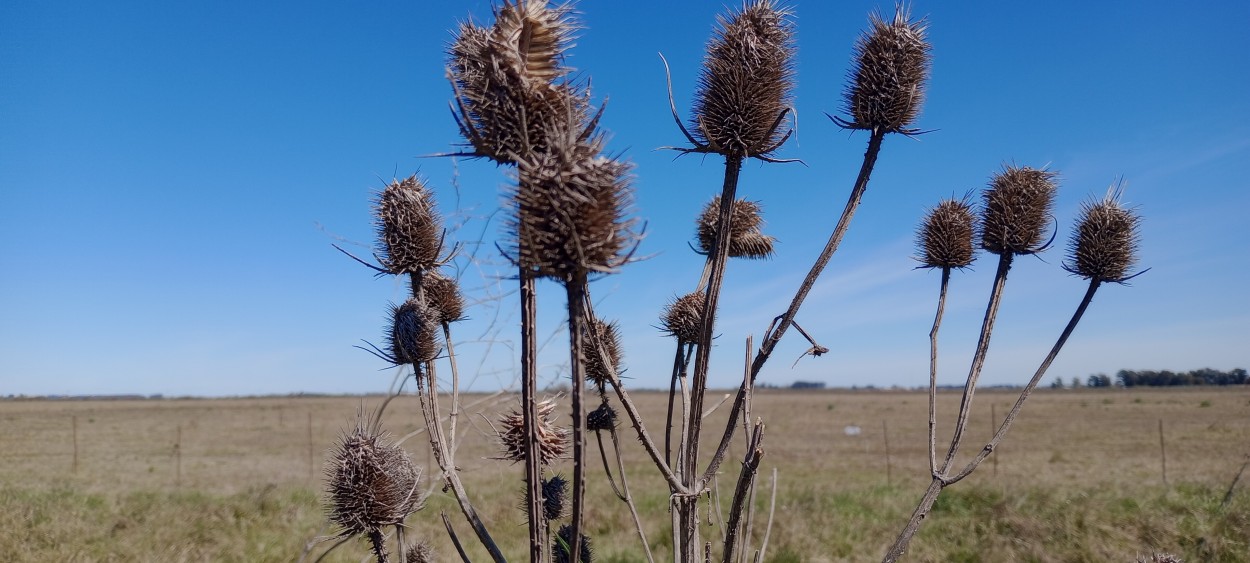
<point>178,459</point>
<point>1163,454</point>
<point>74,425</point>
<point>310,445</point>
<point>889,472</point>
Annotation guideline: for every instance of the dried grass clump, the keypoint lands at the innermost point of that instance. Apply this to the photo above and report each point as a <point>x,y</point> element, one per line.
<point>945,239</point>
<point>746,240</point>
<point>443,295</point>
<point>1160,558</point>
<point>371,483</point>
<point>744,87</point>
<point>683,318</point>
<point>409,229</point>
<point>1016,210</point>
<point>606,337</point>
<point>553,439</point>
<point>413,336</point>
<point>562,547</point>
<point>889,75</point>
<point>1104,246</point>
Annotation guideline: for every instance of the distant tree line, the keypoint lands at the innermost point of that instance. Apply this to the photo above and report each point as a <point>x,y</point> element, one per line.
<point>1165,378</point>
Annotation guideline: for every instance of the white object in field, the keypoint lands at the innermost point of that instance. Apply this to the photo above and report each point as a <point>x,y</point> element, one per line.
<point>851,430</point>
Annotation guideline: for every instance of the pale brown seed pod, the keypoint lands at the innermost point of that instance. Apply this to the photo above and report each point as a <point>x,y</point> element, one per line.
<point>370,483</point>
<point>553,439</point>
<point>409,227</point>
<point>443,294</point>
<point>413,336</point>
<point>746,82</point>
<point>889,74</point>
<point>945,238</point>
<point>1016,208</point>
<point>683,317</point>
<point>1104,245</point>
<point>608,337</point>
<point>745,238</point>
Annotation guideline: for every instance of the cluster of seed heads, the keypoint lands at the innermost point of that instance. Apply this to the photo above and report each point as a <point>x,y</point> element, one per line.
<point>606,338</point>
<point>746,239</point>
<point>683,318</point>
<point>744,87</point>
<point>414,335</point>
<point>561,548</point>
<point>945,238</point>
<point>1104,245</point>
<point>553,440</point>
<point>1016,208</point>
<point>409,228</point>
<point>371,483</point>
<point>888,76</point>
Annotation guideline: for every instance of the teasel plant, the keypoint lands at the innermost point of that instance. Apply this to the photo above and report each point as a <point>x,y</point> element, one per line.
<point>1016,210</point>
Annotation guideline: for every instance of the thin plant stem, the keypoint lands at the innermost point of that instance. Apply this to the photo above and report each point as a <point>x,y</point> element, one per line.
<point>913,524</point>
<point>399,540</point>
<point>750,465</point>
<point>529,419</point>
<point>768,529</point>
<point>577,345</point>
<point>454,415</point>
<point>933,361</point>
<point>678,371</point>
<point>627,497</point>
<point>455,540</point>
<point>378,542</point>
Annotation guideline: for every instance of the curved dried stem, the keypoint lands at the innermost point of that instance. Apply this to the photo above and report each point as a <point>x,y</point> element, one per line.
<point>746,478</point>
<point>933,359</point>
<point>668,78</point>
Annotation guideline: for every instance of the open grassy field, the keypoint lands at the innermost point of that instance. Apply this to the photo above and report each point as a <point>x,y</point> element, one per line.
<point>1079,478</point>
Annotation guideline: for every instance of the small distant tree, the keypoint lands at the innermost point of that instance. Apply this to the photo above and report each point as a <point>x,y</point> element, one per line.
<point>1076,383</point>
<point>1098,380</point>
<point>1057,383</point>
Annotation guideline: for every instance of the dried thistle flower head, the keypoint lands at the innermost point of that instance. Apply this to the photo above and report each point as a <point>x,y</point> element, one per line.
<point>505,84</point>
<point>889,74</point>
<point>1104,245</point>
<point>554,491</point>
<point>683,318</point>
<point>443,294</point>
<point>562,547</point>
<point>1016,209</point>
<point>413,336</point>
<point>370,483</point>
<point>745,238</point>
<point>745,85</point>
<point>409,228</point>
<point>569,214</point>
<point>602,418</point>
<point>945,239</point>
<point>605,336</point>
<point>420,552</point>
<point>553,440</point>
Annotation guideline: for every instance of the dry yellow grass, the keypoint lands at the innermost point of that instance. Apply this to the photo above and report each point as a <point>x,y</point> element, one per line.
<point>1077,479</point>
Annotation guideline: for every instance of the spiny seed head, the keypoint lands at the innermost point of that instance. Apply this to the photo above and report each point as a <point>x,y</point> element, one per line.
<point>745,238</point>
<point>553,491</point>
<point>683,318</point>
<point>1104,245</point>
<point>552,439</point>
<point>420,552</point>
<point>414,336</point>
<point>746,81</point>
<point>443,294</point>
<point>945,238</point>
<point>370,483</point>
<point>889,74</point>
<point>562,547</point>
<point>602,418</point>
<point>605,337</point>
<point>1016,208</point>
<point>505,80</point>
<point>409,228</point>
<point>568,217</point>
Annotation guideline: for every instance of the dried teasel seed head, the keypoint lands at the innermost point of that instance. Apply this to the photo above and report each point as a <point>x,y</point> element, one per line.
<point>409,227</point>
<point>553,440</point>
<point>554,491</point>
<point>745,238</point>
<point>536,34</point>
<point>420,552</point>
<point>1016,208</point>
<point>443,294</point>
<point>1104,245</point>
<point>889,74</point>
<point>602,418</point>
<point>370,483</point>
<point>414,332</point>
<point>568,217</point>
<point>945,238</point>
<point>683,318</point>
<point>562,546</point>
<point>606,337</point>
<point>745,86</point>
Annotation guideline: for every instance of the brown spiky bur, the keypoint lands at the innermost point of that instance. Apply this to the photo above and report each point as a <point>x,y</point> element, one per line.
<point>569,214</point>
<point>420,552</point>
<point>745,238</point>
<point>370,483</point>
<point>683,317</point>
<point>1104,245</point>
<point>409,227</point>
<point>605,337</point>
<point>562,546</point>
<point>413,336</point>
<point>553,439</point>
<point>443,295</point>
<point>746,82</point>
<point>1016,208</point>
<point>603,418</point>
<point>509,81</point>
<point>889,74</point>
<point>945,238</point>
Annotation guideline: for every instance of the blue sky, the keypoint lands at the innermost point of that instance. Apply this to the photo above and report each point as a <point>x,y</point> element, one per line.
<point>172,177</point>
